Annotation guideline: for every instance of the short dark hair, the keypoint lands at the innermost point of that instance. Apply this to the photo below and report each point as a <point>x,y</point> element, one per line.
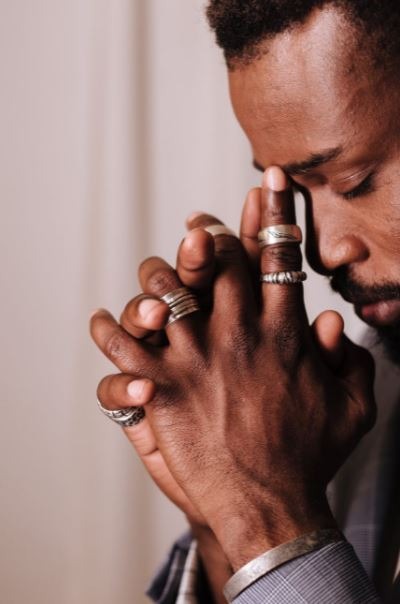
<point>241,26</point>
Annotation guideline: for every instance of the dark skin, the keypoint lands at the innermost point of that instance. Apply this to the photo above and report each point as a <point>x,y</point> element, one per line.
<point>299,99</point>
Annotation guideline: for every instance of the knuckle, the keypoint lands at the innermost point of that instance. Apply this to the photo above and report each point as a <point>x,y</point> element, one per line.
<point>275,212</point>
<point>161,280</point>
<point>287,342</point>
<point>227,248</point>
<point>238,340</point>
<point>282,256</point>
<point>103,391</point>
<point>114,346</point>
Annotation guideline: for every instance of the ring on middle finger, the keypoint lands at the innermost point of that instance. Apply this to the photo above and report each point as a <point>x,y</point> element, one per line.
<point>280,233</point>
<point>181,302</point>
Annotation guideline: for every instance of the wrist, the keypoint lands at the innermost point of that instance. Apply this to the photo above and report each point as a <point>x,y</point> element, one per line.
<point>215,564</point>
<point>246,531</point>
<point>209,548</point>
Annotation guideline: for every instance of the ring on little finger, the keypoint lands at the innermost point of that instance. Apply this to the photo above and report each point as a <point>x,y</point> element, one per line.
<point>280,233</point>
<point>182,302</point>
<point>131,416</point>
<point>284,277</point>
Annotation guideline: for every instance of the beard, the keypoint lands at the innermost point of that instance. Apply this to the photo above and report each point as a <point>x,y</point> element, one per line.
<point>388,336</point>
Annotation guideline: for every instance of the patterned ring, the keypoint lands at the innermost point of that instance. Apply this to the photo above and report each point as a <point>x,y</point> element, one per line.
<point>280,233</point>
<point>284,277</point>
<point>176,295</point>
<point>182,302</point>
<point>131,416</point>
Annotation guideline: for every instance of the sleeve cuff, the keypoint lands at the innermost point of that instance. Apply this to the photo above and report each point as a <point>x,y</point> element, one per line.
<point>330,575</point>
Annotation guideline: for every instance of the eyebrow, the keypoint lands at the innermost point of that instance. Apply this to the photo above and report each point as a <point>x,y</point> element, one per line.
<point>315,160</point>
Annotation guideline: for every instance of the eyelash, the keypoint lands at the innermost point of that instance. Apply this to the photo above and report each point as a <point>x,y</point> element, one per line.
<point>364,188</point>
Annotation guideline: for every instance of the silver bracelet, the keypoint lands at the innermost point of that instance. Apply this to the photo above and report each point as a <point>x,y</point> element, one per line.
<point>260,566</point>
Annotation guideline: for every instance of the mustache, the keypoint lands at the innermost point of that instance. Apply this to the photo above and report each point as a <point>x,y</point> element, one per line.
<point>358,294</point>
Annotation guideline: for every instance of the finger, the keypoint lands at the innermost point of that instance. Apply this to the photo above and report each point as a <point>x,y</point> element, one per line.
<point>145,444</point>
<point>121,391</point>
<point>201,220</point>
<point>328,330</point>
<point>250,226</point>
<point>143,439</point>
<point>358,373</point>
<point>283,302</point>
<point>232,280</point>
<point>143,316</point>
<point>195,263</point>
<point>129,355</point>
<point>158,278</point>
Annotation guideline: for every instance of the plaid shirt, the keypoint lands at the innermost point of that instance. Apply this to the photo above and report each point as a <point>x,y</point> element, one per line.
<point>340,573</point>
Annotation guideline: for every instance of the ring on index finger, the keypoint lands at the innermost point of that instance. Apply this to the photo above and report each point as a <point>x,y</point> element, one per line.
<point>281,233</point>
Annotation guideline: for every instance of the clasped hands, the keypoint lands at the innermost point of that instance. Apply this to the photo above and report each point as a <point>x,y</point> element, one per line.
<point>250,411</point>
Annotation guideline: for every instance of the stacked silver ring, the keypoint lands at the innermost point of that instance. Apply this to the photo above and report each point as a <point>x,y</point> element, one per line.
<point>182,302</point>
<point>124,417</point>
<point>284,277</point>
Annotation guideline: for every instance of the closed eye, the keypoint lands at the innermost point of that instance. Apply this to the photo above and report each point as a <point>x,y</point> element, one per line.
<point>364,188</point>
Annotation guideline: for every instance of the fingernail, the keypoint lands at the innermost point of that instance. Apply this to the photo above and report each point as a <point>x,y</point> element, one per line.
<point>147,306</point>
<point>189,243</point>
<point>135,390</point>
<point>275,179</point>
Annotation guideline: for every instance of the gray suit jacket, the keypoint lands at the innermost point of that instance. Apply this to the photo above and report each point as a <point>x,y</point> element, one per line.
<point>361,498</point>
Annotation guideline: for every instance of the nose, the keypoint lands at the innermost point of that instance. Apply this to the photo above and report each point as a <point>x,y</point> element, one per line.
<point>334,239</point>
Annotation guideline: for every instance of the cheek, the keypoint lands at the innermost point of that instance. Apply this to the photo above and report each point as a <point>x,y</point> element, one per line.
<point>381,231</point>
<point>382,212</point>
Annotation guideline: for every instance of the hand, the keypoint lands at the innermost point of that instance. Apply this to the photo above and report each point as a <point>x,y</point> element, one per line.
<point>250,419</point>
<point>145,317</point>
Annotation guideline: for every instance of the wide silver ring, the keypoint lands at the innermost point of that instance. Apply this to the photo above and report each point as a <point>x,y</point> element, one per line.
<point>284,277</point>
<point>131,416</point>
<point>280,233</point>
<point>182,302</point>
<point>219,229</point>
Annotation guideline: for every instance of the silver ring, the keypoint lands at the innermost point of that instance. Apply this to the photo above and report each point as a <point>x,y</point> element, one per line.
<point>284,277</point>
<point>219,229</point>
<point>281,233</point>
<point>131,416</point>
<point>181,302</point>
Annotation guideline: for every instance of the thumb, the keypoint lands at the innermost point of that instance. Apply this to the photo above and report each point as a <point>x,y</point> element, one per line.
<point>328,330</point>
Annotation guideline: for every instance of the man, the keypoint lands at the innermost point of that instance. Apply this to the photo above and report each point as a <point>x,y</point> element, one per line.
<point>250,413</point>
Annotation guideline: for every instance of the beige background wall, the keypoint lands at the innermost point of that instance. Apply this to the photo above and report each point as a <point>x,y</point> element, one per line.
<point>115,124</point>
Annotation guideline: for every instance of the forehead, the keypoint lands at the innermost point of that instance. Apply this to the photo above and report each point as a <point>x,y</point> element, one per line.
<point>311,89</point>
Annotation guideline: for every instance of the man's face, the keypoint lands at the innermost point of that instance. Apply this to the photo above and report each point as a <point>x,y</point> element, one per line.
<point>312,105</point>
